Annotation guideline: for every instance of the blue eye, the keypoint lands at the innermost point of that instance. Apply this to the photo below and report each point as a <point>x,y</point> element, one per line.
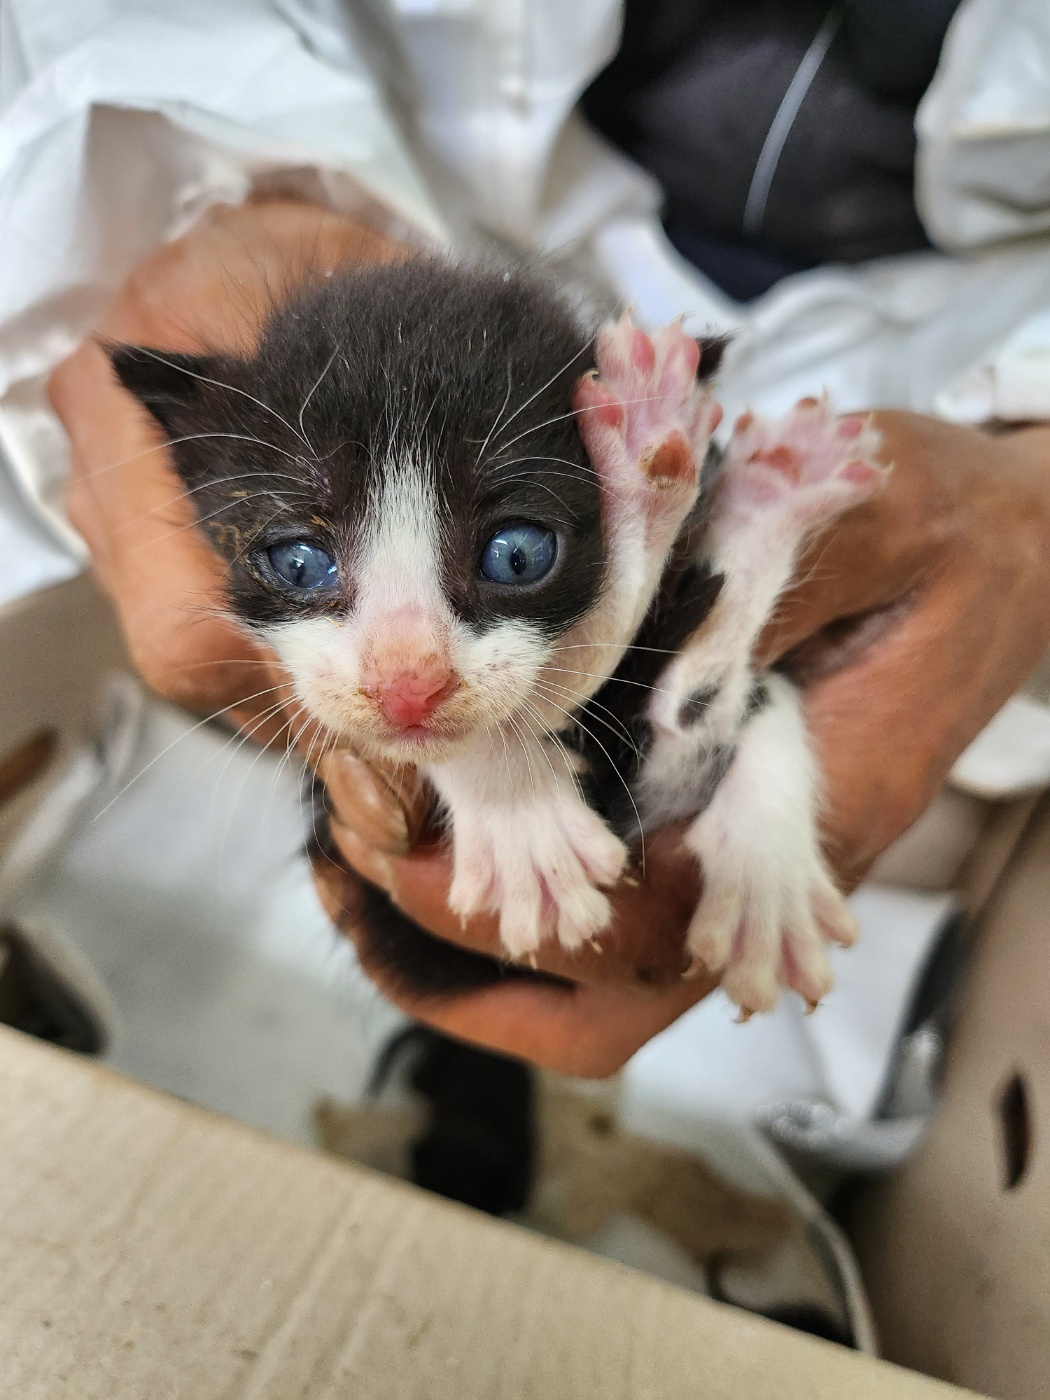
<point>303,565</point>
<point>519,554</point>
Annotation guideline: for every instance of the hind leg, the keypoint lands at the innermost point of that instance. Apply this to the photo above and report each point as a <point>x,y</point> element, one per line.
<point>769,905</point>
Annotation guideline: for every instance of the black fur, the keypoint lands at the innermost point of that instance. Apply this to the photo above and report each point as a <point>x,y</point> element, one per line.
<point>479,1143</point>
<point>612,733</point>
<point>421,964</point>
<point>758,699</point>
<point>470,373</point>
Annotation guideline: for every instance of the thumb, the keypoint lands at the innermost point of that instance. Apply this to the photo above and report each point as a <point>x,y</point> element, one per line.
<point>384,805</point>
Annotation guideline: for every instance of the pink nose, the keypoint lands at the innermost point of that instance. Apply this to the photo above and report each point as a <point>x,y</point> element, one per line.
<point>410,697</point>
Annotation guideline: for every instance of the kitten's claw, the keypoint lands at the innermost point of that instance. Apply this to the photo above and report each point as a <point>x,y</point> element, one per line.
<point>801,469</point>
<point>540,868</point>
<point>694,968</point>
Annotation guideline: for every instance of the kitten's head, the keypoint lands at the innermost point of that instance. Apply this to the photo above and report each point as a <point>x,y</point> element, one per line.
<point>400,492</point>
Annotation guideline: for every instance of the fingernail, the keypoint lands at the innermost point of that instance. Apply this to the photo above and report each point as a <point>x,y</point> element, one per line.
<point>370,863</point>
<point>366,804</point>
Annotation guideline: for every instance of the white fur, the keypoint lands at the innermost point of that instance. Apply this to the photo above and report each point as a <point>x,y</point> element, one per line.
<point>398,563</point>
<point>768,904</point>
<point>526,845</point>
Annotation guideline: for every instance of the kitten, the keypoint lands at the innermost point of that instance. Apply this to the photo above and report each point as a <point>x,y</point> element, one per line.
<point>467,527</point>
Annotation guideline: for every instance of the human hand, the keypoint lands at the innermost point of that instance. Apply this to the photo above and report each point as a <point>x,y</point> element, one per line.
<point>915,619</point>
<point>210,289</point>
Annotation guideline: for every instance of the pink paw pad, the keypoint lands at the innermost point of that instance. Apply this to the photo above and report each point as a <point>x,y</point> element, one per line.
<point>809,463</point>
<point>644,419</point>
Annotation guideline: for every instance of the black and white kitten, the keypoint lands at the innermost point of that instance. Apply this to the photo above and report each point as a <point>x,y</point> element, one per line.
<point>451,511</point>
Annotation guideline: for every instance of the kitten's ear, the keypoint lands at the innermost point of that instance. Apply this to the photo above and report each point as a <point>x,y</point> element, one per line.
<point>164,381</point>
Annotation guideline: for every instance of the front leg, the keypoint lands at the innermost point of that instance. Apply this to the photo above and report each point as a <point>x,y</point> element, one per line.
<point>525,845</point>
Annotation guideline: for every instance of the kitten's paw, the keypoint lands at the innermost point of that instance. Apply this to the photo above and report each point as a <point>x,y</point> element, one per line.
<point>805,468</point>
<point>767,928</point>
<point>645,420</point>
<point>540,867</point>
<point>768,908</point>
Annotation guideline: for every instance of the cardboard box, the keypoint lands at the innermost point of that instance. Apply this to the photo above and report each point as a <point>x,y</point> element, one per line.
<point>956,1246</point>
<point>55,646</point>
<point>151,1250</point>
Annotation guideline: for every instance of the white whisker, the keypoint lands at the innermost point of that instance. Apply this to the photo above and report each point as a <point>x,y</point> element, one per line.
<point>533,397</point>
<point>499,415</point>
<point>313,390</point>
<point>616,726</point>
<point>208,719</point>
<point>198,437</point>
<point>230,388</point>
<point>623,780</point>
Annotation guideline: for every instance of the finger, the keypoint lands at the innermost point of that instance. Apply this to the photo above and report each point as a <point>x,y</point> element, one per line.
<point>643,948</point>
<point>385,807</point>
<point>886,743</point>
<point>215,287</point>
<point>588,1032</point>
<point>571,1028</point>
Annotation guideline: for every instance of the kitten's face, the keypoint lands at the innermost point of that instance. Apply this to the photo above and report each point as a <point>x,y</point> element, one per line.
<point>402,497</point>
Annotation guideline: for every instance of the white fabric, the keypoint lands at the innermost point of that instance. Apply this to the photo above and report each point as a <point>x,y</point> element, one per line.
<point>983,168</point>
<point>1011,756</point>
<point>983,178</point>
<point>1011,383</point>
<point>120,120</point>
